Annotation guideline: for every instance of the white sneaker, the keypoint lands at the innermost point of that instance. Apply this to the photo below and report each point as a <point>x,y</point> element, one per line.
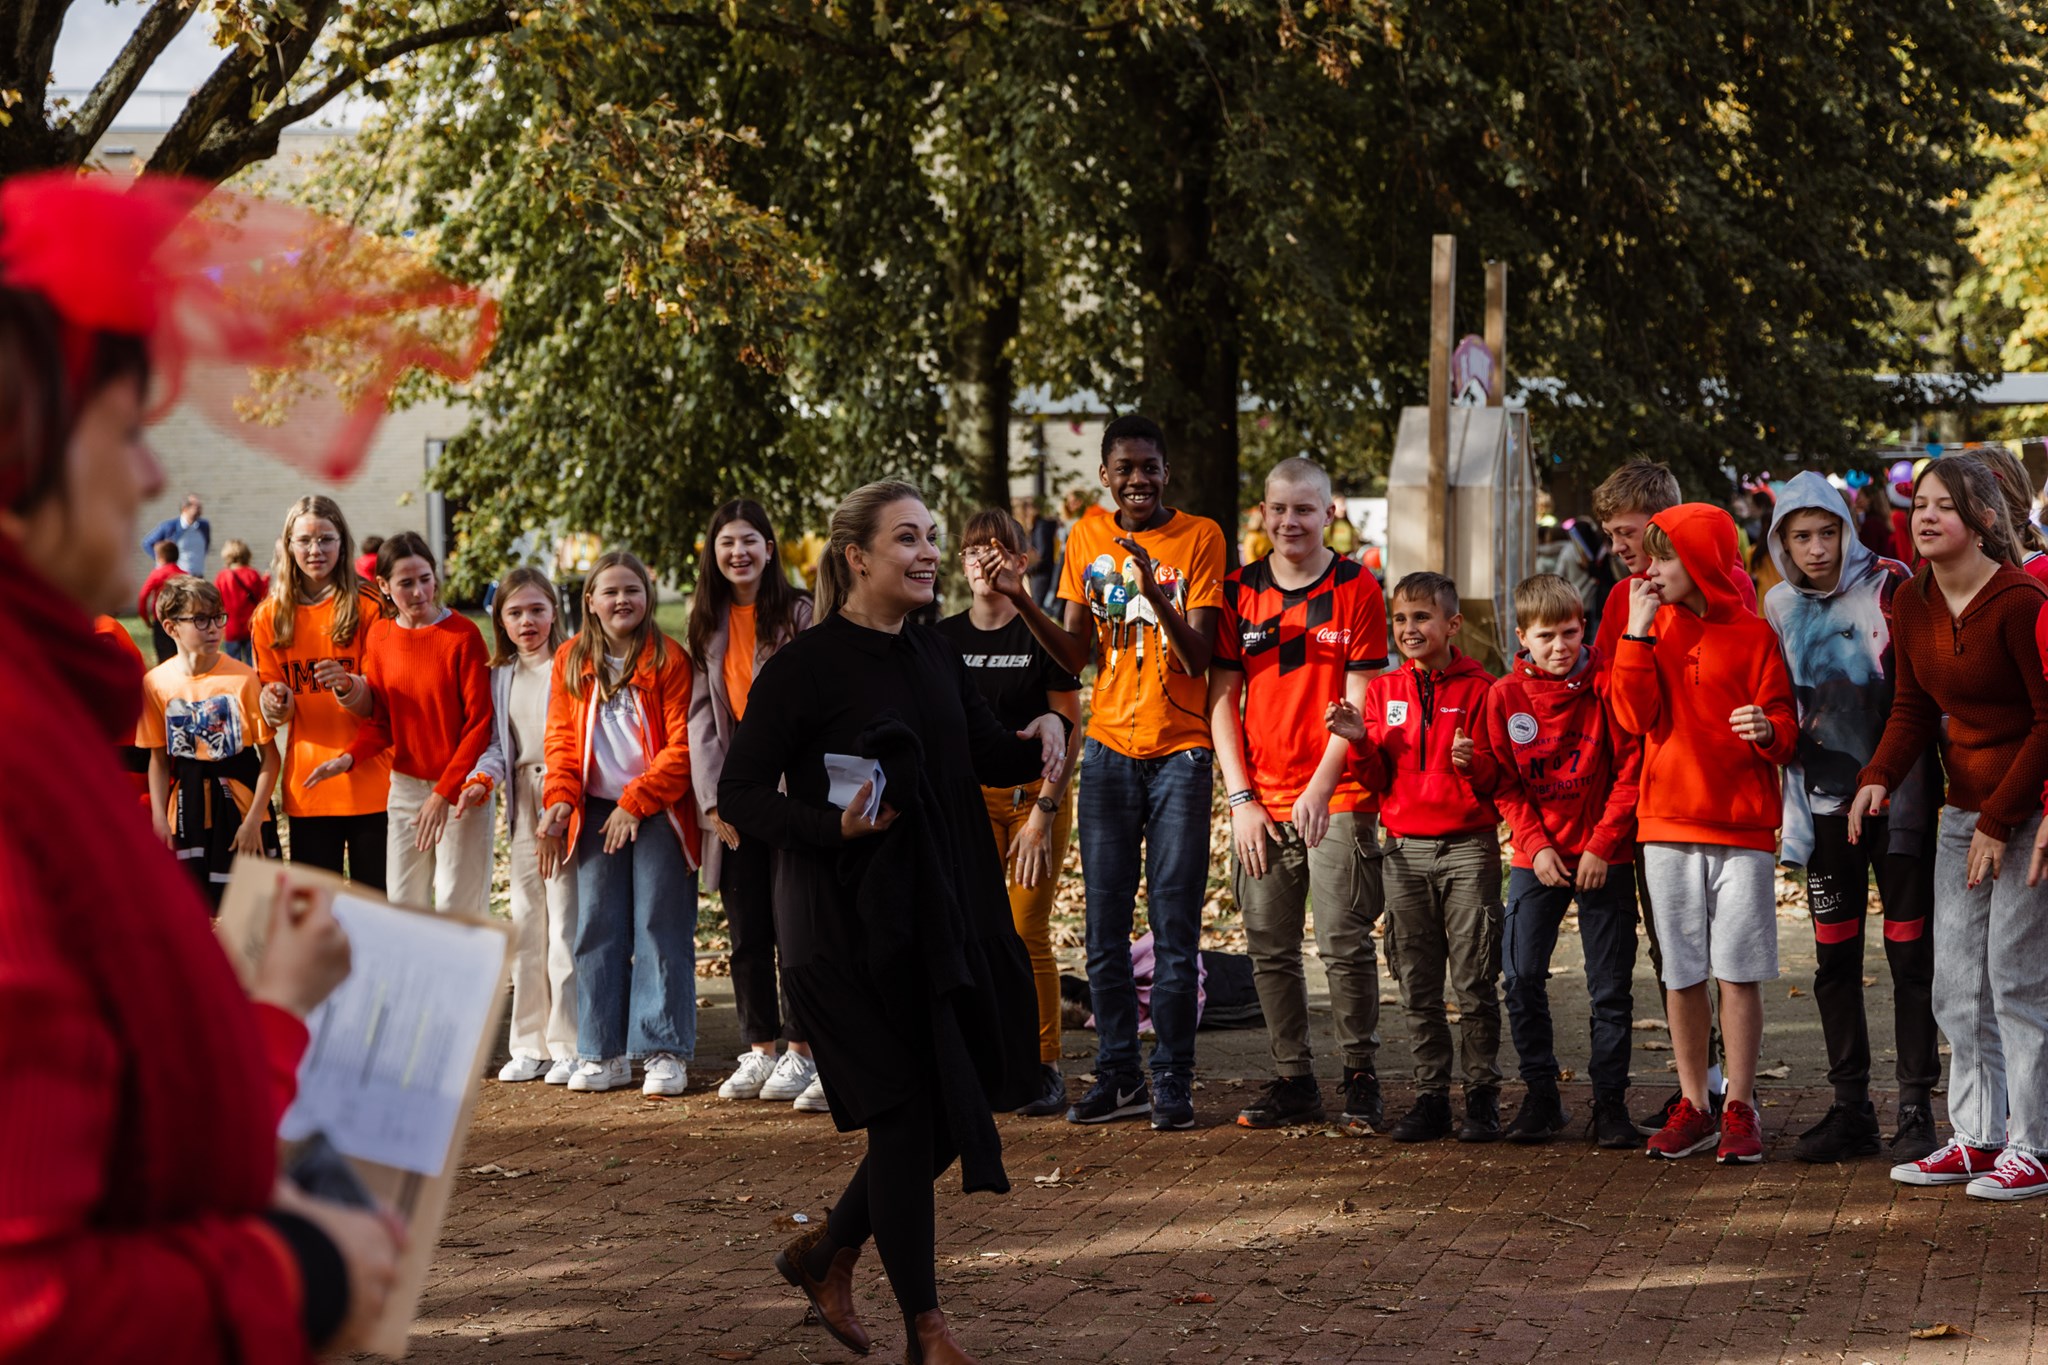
<point>560,1072</point>
<point>747,1079</point>
<point>609,1074</point>
<point>664,1075</point>
<point>793,1075</point>
<point>812,1101</point>
<point>523,1069</point>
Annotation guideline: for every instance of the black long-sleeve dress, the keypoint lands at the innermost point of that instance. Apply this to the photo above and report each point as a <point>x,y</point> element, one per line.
<point>858,962</point>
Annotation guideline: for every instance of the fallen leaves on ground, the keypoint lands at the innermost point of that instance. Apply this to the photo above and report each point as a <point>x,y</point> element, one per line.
<point>493,1171</point>
<point>1195,1298</point>
<point>1941,1329</point>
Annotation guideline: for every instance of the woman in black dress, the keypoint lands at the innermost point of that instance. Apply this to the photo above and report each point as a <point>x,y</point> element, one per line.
<point>898,956</point>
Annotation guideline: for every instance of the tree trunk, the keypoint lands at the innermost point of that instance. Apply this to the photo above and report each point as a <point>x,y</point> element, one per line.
<point>983,317</point>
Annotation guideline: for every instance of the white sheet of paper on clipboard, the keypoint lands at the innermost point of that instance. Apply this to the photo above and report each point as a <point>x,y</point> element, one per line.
<point>847,772</point>
<point>389,1061</point>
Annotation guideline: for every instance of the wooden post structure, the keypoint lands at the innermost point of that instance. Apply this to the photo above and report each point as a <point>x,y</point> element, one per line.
<point>1497,330</point>
<point>1442,278</point>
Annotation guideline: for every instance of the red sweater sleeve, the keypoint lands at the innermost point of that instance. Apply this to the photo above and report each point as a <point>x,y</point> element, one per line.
<point>667,779</point>
<point>473,680</point>
<point>194,1290</point>
<point>564,747</point>
<point>284,1047</point>
<point>1909,729</point>
<point>1613,839</point>
<point>1774,695</point>
<point>2017,797</point>
<point>1633,687</point>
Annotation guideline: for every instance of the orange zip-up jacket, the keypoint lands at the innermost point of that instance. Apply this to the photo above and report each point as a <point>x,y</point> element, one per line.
<point>1701,783</point>
<point>664,694</point>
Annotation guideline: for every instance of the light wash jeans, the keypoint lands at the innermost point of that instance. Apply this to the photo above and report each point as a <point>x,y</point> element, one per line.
<point>1991,990</point>
<point>636,941</point>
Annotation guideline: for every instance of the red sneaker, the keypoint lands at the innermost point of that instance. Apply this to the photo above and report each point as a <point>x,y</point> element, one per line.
<point>1742,1136</point>
<point>1688,1130</point>
<point>1954,1164</point>
<point>2018,1175</point>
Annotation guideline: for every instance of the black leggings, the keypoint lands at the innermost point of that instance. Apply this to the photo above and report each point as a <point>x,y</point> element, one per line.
<point>350,844</point>
<point>746,887</point>
<point>890,1200</point>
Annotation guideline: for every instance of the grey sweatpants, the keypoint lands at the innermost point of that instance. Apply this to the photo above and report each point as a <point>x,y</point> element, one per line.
<point>1340,877</point>
<point>1444,919</point>
<point>1991,990</point>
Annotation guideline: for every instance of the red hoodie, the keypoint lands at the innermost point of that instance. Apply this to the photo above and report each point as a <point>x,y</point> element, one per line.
<point>1701,784</point>
<point>1563,775</point>
<point>1411,716</point>
<point>1614,616</point>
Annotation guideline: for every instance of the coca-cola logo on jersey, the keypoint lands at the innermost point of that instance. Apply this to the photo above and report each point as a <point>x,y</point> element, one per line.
<point>1333,635</point>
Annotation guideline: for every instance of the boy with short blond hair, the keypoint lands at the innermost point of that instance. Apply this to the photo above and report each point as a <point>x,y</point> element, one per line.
<point>212,761</point>
<point>1442,856</point>
<point>1564,779</point>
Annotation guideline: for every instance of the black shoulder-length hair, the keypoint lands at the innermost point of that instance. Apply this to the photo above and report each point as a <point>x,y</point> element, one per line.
<point>774,605</point>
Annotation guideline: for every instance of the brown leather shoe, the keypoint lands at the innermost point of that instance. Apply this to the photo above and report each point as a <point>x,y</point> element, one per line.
<point>832,1297</point>
<point>931,1343</point>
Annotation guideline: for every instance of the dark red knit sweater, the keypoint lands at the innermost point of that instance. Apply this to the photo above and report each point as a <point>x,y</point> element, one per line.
<point>1983,671</point>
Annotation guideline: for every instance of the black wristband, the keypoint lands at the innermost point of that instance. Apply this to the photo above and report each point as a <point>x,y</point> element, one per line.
<point>1243,798</point>
<point>323,1277</point>
<point>1641,639</point>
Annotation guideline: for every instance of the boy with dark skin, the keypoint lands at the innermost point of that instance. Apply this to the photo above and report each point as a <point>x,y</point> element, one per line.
<point>1141,593</point>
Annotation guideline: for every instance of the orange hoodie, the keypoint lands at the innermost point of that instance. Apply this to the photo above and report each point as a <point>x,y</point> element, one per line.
<point>1702,784</point>
<point>664,694</point>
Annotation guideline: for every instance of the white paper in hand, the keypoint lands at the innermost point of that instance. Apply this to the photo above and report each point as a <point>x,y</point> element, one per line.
<point>848,772</point>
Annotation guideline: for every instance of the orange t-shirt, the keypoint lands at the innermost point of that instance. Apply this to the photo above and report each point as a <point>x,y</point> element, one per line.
<point>210,717</point>
<point>1145,705</point>
<point>320,728</point>
<point>739,656</point>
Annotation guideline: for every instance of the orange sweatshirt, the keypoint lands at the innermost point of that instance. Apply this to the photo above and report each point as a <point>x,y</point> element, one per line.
<point>664,694</point>
<point>1701,784</point>
<point>432,689</point>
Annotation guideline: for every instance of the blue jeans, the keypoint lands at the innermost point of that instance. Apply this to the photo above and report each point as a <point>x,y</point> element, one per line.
<point>1607,932</point>
<point>242,650</point>
<point>1163,804</point>
<point>636,942</point>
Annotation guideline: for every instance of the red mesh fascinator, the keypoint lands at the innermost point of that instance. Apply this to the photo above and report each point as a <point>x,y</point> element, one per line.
<point>284,329</point>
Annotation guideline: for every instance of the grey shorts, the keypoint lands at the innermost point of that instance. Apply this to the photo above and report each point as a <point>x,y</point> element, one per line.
<point>1717,912</point>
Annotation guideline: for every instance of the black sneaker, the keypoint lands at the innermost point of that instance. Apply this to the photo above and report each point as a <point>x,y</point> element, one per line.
<point>1112,1097</point>
<point>1844,1132</point>
<point>1052,1094</point>
<point>1649,1125</point>
<point>1915,1138</point>
<point>1541,1117</point>
<point>1284,1100</point>
<point>1364,1111</point>
<point>1482,1117</point>
<point>1612,1127</point>
<point>1429,1120</point>
<point>1173,1104</point>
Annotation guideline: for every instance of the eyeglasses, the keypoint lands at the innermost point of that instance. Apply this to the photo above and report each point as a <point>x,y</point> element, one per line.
<point>218,619</point>
<point>315,542</point>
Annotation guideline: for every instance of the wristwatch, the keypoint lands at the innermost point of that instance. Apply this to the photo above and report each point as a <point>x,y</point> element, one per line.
<point>1048,805</point>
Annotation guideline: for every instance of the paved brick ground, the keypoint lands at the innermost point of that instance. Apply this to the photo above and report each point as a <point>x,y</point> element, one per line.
<point>642,1230</point>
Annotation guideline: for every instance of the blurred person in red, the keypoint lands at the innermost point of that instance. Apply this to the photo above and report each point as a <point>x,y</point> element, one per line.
<point>141,1214</point>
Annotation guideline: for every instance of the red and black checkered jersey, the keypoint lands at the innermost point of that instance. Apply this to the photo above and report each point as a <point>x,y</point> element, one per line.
<point>1294,648</point>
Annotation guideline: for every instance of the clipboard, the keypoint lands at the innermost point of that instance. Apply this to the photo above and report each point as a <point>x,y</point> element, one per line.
<point>368,1033</point>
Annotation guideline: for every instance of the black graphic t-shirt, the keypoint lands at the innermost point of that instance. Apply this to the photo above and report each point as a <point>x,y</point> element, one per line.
<point>1010,667</point>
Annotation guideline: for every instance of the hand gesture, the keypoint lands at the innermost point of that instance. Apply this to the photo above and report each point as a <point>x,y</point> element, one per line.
<point>276,703</point>
<point>727,835</point>
<point>333,767</point>
<point>1461,750</point>
<point>1341,718</point>
<point>854,825</point>
<point>1051,735</point>
<point>249,834</point>
<point>1986,860</point>
<point>1031,853</point>
<point>1750,723</point>
<point>1250,827</point>
<point>430,822</point>
<point>370,1242</point>
<point>621,827</point>
<point>1148,571</point>
<point>474,794</point>
<point>1592,872</point>
<point>305,951</point>
<point>1869,801</point>
<point>1550,869</point>
<point>550,852</point>
<point>1003,570</point>
<point>332,674</point>
<point>1643,603</point>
